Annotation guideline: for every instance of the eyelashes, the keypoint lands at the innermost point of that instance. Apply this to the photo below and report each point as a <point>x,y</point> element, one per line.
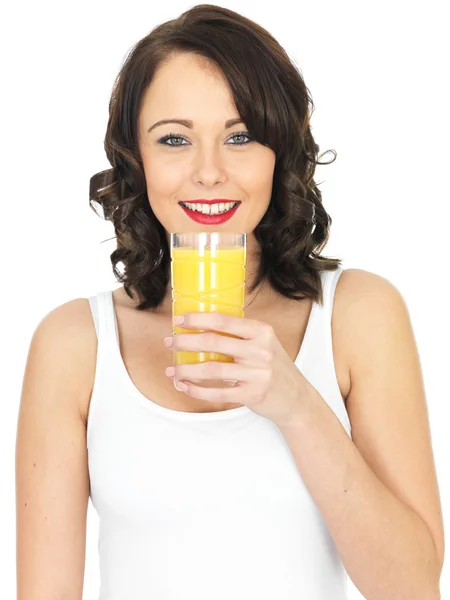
<point>172,136</point>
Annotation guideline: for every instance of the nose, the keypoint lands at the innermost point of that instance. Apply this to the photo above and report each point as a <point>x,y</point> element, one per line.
<point>209,167</point>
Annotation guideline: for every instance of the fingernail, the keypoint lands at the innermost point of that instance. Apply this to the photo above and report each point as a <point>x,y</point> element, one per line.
<point>178,320</point>
<point>168,341</point>
<point>182,386</point>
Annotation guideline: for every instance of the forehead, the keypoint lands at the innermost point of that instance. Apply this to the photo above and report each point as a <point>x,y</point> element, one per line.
<point>191,65</point>
<point>190,84</point>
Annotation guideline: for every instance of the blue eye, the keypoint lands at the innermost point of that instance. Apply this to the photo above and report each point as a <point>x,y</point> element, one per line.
<point>171,136</point>
<point>174,136</point>
<point>241,134</point>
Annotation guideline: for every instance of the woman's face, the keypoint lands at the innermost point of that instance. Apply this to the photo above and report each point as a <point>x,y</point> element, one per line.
<point>207,160</point>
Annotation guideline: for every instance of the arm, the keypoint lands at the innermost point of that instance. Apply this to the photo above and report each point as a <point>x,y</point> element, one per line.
<point>377,492</point>
<point>52,481</point>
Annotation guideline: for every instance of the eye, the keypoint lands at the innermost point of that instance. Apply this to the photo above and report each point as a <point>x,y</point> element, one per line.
<point>173,136</point>
<point>241,134</point>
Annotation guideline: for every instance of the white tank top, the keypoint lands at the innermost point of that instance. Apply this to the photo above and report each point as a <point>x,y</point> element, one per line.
<point>206,506</point>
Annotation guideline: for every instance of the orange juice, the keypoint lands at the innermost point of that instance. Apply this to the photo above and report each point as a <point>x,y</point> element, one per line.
<point>207,281</point>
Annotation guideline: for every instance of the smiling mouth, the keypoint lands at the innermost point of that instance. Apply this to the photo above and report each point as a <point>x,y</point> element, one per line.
<point>219,208</point>
<point>206,218</point>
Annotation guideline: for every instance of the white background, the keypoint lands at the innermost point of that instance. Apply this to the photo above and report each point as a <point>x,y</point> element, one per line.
<point>379,80</point>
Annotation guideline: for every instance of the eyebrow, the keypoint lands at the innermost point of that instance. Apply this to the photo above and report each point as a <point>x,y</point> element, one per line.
<point>190,124</point>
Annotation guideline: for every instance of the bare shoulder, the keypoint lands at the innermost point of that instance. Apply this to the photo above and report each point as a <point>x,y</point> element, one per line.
<point>74,314</point>
<point>368,306</point>
<point>66,336</point>
<point>356,286</point>
<point>362,300</point>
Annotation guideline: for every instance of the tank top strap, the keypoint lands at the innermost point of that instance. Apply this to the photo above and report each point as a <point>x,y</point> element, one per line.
<point>329,281</point>
<point>317,339</point>
<point>317,357</point>
<point>323,322</point>
<point>104,316</point>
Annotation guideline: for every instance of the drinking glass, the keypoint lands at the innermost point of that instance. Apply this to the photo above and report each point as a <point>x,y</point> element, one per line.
<point>207,275</point>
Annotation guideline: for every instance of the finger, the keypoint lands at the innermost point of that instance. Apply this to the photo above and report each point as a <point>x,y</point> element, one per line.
<point>214,370</point>
<point>211,342</point>
<point>232,395</point>
<point>239,326</point>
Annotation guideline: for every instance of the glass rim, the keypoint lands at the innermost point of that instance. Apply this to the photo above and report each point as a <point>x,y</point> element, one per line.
<point>198,239</point>
<point>178,233</point>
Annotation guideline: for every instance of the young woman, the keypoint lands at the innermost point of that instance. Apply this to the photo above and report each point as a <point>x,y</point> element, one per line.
<point>318,464</point>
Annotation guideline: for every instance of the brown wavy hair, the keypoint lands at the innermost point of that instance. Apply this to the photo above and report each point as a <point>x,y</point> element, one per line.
<point>276,107</point>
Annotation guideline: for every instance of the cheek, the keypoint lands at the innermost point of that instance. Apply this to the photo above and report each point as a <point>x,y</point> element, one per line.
<point>259,178</point>
<point>162,178</point>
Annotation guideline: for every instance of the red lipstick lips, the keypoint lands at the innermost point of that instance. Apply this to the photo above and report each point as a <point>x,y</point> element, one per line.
<point>204,219</point>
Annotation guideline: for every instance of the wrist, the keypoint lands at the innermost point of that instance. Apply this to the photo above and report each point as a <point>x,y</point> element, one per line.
<point>302,403</point>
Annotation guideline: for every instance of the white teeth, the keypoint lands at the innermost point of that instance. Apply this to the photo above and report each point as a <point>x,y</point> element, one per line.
<point>210,209</point>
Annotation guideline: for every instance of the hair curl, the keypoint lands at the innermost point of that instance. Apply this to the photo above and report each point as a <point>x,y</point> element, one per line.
<point>273,101</point>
